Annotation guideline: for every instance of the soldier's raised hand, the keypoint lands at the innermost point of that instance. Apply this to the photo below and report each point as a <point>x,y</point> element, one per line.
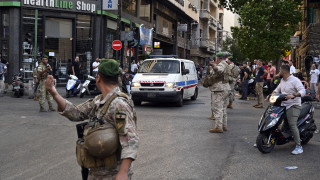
<point>49,84</point>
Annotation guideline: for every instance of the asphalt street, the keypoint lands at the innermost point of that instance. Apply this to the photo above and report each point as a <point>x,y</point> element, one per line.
<point>175,144</point>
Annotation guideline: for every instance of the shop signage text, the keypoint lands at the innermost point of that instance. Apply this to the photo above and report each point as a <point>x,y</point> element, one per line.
<point>62,4</point>
<point>110,5</point>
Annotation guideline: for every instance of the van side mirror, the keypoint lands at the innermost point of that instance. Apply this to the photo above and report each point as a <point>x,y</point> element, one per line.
<point>186,71</point>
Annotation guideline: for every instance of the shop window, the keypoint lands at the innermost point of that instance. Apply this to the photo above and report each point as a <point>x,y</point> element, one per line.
<point>4,34</point>
<point>84,42</point>
<point>130,7</point>
<point>111,34</point>
<point>29,47</point>
<point>145,10</point>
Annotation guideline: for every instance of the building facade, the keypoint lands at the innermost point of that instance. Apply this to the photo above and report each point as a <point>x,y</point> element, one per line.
<point>64,29</point>
<point>308,50</point>
<point>206,42</point>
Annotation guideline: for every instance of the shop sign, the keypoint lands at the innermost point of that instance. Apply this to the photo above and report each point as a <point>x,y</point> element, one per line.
<point>156,44</point>
<point>89,6</point>
<point>182,27</point>
<point>110,5</point>
<point>181,2</point>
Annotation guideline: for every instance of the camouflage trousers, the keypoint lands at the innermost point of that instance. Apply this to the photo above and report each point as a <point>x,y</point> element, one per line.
<point>231,93</point>
<point>219,103</point>
<point>44,95</point>
<point>101,174</point>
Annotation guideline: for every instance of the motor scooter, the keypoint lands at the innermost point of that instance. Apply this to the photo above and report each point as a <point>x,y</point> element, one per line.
<point>73,86</point>
<point>273,126</point>
<point>89,87</point>
<point>18,85</point>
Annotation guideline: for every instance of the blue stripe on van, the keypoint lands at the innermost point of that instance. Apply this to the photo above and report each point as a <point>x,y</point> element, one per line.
<point>186,83</point>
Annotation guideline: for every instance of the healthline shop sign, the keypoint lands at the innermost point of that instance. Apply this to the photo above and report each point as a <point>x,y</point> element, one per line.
<point>72,5</point>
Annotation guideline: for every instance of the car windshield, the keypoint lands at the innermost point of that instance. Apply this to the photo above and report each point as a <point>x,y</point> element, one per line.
<point>160,66</point>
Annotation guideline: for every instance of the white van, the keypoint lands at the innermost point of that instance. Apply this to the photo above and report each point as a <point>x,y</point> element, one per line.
<point>165,80</point>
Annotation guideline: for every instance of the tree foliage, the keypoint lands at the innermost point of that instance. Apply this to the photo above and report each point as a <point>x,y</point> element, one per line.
<point>265,26</point>
<point>231,45</point>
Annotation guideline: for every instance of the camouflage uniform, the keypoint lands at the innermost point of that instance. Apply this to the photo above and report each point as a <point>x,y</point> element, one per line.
<point>232,81</point>
<point>219,97</point>
<point>44,94</point>
<point>128,137</point>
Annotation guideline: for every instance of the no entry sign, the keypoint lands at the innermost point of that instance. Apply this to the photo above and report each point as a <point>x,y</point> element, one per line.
<point>116,45</point>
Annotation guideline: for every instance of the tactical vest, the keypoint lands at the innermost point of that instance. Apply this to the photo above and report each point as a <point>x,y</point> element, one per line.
<point>100,146</point>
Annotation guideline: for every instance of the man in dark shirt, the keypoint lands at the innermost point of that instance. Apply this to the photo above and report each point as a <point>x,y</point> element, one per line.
<point>260,73</point>
<point>76,67</point>
<point>244,77</point>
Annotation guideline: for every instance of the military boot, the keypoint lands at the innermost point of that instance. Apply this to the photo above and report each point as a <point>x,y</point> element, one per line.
<point>211,117</point>
<point>51,108</point>
<point>216,130</point>
<point>42,109</point>
<point>230,106</point>
<point>225,128</point>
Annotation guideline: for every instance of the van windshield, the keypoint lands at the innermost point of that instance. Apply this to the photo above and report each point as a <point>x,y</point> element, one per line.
<point>160,66</point>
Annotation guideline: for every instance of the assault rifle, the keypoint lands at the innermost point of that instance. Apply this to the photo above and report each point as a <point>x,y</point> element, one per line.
<point>80,129</point>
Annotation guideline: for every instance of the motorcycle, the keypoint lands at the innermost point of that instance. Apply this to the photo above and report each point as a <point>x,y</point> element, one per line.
<point>89,87</point>
<point>17,85</point>
<point>273,128</point>
<point>73,86</point>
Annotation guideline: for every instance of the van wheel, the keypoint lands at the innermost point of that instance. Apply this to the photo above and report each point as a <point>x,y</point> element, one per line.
<point>195,95</point>
<point>180,100</point>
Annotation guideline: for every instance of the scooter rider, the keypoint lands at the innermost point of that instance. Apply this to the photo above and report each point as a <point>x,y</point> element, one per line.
<point>294,89</point>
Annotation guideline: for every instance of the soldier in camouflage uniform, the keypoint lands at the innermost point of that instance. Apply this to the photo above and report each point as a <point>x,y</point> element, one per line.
<point>107,82</point>
<point>234,73</point>
<point>43,71</point>
<point>219,93</point>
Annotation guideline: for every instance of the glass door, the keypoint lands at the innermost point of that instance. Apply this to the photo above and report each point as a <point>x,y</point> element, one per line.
<point>59,46</point>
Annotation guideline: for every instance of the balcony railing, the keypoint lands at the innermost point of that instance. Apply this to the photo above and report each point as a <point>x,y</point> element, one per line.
<point>204,14</point>
<point>212,21</point>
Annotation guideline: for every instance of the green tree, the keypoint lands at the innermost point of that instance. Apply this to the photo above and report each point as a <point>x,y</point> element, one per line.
<point>265,26</point>
<point>231,45</point>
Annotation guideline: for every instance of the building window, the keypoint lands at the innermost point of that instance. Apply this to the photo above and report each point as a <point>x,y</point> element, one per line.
<point>130,7</point>
<point>145,10</point>
<point>164,27</point>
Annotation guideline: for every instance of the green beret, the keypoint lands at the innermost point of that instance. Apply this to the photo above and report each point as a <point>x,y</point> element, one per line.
<point>230,58</point>
<point>108,67</point>
<point>44,56</point>
<point>220,54</point>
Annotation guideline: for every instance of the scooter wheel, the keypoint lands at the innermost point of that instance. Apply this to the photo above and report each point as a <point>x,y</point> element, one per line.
<point>262,143</point>
<point>68,94</point>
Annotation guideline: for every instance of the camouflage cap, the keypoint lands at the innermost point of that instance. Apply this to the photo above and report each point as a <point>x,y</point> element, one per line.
<point>108,67</point>
<point>220,54</point>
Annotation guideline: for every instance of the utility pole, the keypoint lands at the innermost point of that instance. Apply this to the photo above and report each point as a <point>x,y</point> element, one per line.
<point>119,29</point>
<point>35,50</point>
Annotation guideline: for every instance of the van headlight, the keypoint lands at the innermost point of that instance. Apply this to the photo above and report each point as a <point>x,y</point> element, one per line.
<point>170,85</point>
<point>135,84</point>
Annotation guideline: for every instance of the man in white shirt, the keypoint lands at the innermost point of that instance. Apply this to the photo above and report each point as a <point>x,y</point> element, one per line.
<point>3,70</point>
<point>134,66</point>
<point>95,66</point>
<point>294,89</point>
<point>292,68</point>
<point>314,74</point>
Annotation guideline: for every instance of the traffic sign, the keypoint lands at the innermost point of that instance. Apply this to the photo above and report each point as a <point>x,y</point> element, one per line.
<point>294,40</point>
<point>116,45</point>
